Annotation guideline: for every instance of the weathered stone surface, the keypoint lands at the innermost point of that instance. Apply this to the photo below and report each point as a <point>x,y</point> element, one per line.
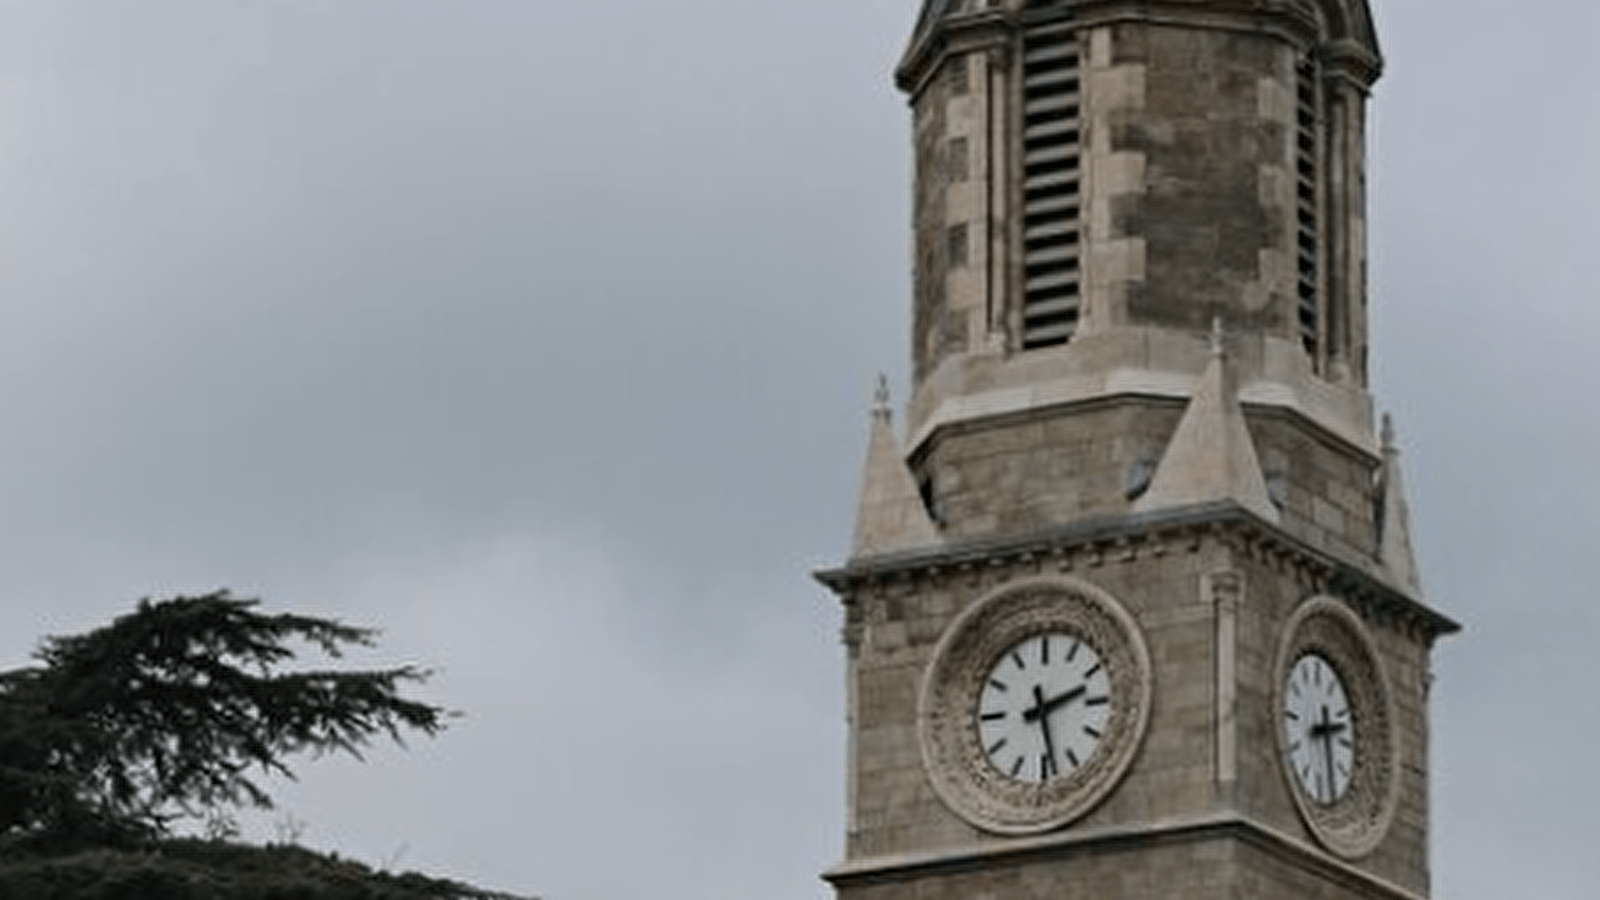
<point>1216,173</point>
<point>1211,456</point>
<point>1161,581</point>
<point>1394,523</point>
<point>890,516</point>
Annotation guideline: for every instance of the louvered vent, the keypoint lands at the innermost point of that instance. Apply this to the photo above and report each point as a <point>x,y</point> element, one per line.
<point>1051,147</point>
<point>1308,232</point>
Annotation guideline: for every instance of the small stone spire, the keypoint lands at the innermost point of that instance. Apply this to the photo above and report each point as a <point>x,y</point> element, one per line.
<point>1211,456</point>
<point>880,401</point>
<point>890,516</point>
<point>1394,518</point>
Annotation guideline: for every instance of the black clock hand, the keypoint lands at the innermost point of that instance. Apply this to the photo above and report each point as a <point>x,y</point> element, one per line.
<point>1327,753</point>
<point>1042,707</point>
<point>1323,732</point>
<point>1041,713</point>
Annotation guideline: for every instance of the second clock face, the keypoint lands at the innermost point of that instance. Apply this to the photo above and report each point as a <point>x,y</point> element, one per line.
<point>1044,707</point>
<point>1318,729</point>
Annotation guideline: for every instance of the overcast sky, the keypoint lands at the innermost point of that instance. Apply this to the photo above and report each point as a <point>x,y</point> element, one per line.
<point>542,336</point>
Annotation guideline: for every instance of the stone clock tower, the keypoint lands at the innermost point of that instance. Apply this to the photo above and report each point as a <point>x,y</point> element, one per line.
<point>1131,611</point>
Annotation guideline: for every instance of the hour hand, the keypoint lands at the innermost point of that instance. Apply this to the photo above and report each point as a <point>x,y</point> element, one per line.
<point>1042,707</point>
<point>1327,728</point>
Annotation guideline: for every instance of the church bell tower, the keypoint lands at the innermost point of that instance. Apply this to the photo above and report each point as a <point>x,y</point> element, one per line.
<point>1131,610</point>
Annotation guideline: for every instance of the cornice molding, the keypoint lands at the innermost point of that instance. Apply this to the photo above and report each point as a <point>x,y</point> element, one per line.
<point>970,31</point>
<point>1109,540</point>
<point>1227,825</point>
<point>1350,51</point>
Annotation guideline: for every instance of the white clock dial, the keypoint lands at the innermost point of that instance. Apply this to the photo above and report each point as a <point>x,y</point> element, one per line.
<point>1043,710</point>
<point>1319,729</point>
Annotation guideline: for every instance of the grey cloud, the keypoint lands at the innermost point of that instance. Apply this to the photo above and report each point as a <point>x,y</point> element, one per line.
<point>321,299</point>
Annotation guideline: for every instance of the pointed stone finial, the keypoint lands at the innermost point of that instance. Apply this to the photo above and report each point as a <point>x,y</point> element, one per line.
<point>1395,551</point>
<point>1217,335</point>
<point>880,400</point>
<point>891,515</point>
<point>1211,457</point>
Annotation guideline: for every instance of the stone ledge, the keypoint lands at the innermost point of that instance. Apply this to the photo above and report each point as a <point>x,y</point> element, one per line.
<point>1115,362</point>
<point>1227,825</point>
<point>1113,539</point>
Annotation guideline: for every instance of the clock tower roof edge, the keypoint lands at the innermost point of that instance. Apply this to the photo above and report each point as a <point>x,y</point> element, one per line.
<point>1347,27</point>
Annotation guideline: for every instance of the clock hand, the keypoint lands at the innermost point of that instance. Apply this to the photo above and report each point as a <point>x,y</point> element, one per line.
<point>1327,755</point>
<point>1042,707</point>
<point>1040,713</point>
<point>1322,733</point>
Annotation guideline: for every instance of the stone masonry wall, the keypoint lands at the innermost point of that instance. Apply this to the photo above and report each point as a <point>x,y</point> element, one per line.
<point>1181,769</point>
<point>1215,147</point>
<point>1044,468</point>
<point>950,211</point>
<point>1327,489</point>
<point>1048,467</point>
<point>1271,592</point>
<point>899,624</point>
<point>1198,867</point>
<point>1206,870</point>
<point>934,332</point>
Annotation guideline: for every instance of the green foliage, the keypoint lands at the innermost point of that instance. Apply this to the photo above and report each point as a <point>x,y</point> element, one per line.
<point>175,709</point>
<point>214,870</point>
<point>178,708</point>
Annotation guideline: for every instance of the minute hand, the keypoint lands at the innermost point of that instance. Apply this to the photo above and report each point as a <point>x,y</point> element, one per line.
<point>1045,707</point>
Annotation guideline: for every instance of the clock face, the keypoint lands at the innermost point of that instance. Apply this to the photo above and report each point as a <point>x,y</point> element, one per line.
<point>1336,733</point>
<point>1319,732</point>
<point>1034,704</point>
<point>1044,707</point>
